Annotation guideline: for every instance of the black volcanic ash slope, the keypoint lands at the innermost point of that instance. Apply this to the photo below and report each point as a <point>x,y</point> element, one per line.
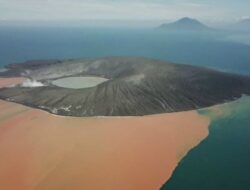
<point>136,86</point>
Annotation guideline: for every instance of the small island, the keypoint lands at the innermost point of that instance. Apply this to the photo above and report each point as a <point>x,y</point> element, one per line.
<point>120,86</point>
<point>185,24</point>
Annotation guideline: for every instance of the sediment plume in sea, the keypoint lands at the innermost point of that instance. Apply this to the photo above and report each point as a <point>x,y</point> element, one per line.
<point>43,151</point>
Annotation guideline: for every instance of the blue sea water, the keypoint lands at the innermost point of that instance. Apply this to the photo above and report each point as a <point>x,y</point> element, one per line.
<point>18,44</point>
<point>222,161</point>
<point>213,164</point>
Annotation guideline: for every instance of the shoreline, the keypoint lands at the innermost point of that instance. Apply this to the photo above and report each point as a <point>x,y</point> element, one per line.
<point>134,153</point>
<point>47,151</point>
<point>118,117</point>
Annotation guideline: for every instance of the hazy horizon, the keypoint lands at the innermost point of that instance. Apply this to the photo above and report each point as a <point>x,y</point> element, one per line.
<point>111,22</point>
<point>153,11</point>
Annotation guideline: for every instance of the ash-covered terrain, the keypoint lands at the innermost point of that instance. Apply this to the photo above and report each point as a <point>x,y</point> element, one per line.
<point>129,86</point>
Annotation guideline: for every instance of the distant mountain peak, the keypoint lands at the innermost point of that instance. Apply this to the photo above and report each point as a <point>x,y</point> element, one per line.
<point>187,19</point>
<point>185,24</point>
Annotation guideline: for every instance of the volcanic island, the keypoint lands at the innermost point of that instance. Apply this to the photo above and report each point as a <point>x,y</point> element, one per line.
<point>108,123</point>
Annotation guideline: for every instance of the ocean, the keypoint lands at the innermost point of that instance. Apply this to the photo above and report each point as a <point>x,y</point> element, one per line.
<point>222,160</point>
<point>216,50</point>
<point>219,162</point>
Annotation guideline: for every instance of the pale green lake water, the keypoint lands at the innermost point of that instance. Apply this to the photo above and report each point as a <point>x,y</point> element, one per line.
<point>79,82</point>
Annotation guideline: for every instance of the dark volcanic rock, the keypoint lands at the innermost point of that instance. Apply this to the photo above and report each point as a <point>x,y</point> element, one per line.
<point>136,86</point>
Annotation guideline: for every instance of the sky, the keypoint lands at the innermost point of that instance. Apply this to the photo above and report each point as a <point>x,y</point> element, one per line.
<point>209,10</point>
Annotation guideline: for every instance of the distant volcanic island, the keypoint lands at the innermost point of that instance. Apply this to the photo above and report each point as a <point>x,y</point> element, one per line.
<point>185,24</point>
<point>120,86</point>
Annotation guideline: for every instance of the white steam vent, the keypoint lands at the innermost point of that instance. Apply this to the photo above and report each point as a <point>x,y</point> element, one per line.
<point>31,83</point>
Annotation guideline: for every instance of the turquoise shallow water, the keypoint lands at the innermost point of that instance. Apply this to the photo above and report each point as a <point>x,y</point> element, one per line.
<point>222,161</point>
